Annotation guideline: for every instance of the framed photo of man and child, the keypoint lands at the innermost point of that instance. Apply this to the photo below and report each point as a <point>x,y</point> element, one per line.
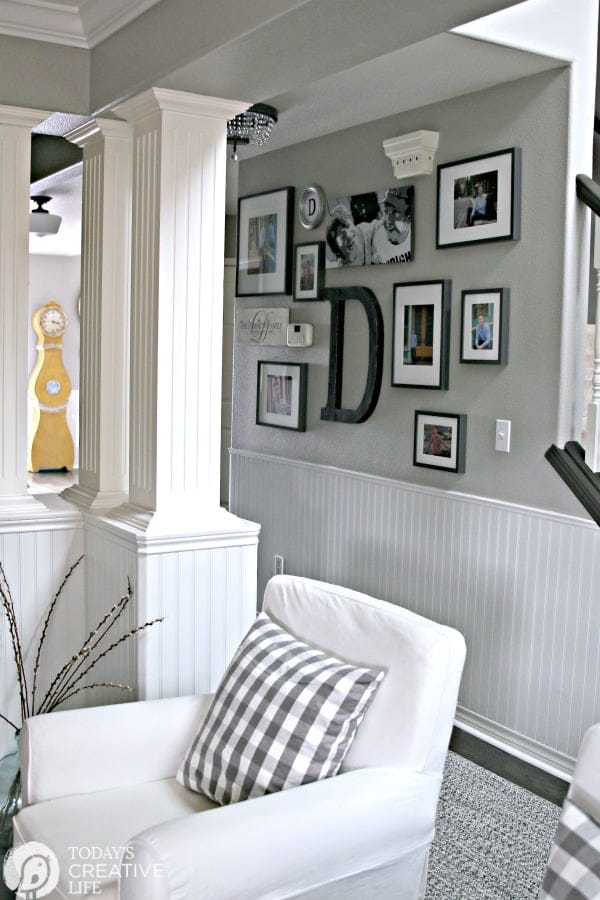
<point>484,326</point>
<point>370,228</point>
<point>479,199</point>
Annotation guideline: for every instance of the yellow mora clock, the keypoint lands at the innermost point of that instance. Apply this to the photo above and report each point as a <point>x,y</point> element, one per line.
<point>50,440</point>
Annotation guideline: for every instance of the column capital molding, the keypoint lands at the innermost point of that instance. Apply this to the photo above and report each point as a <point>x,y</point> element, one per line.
<point>19,115</point>
<point>96,129</point>
<point>160,99</point>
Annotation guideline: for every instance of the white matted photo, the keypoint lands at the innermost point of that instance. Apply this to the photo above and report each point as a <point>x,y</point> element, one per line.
<point>440,441</point>
<point>281,395</point>
<point>479,199</point>
<point>484,326</point>
<point>421,331</point>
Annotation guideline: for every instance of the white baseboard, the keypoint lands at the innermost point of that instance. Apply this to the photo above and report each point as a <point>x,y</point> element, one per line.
<point>532,752</point>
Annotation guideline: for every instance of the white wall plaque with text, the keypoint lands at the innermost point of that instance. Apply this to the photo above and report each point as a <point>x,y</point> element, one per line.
<point>263,326</point>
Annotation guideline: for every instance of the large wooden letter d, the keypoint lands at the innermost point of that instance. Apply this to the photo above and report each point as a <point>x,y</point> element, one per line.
<point>338,297</point>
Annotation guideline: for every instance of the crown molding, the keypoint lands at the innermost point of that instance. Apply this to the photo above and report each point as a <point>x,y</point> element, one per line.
<point>82,24</point>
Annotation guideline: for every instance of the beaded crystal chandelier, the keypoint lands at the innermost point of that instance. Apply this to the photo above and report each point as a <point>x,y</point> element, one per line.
<point>251,127</point>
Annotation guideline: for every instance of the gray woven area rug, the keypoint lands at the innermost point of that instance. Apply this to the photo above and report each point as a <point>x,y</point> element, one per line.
<point>492,837</point>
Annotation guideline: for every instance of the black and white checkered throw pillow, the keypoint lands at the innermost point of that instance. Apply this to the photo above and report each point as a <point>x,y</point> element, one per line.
<point>284,714</point>
<point>573,869</point>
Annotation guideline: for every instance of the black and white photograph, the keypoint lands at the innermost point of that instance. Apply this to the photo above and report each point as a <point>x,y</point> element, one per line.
<point>309,270</point>
<point>479,199</point>
<point>281,395</point>
<point>440,441</point>
<point>484,332</point>
<point>371,228</point>
<point>421,330</point>
<point>264,262</point>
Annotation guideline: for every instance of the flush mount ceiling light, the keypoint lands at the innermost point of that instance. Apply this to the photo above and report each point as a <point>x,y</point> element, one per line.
<point>251,127</point>
<point>41,222</point>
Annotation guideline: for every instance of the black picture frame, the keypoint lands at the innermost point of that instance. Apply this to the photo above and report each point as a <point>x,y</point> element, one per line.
<point>264,243</point>
<point>309,270</point>
<point>484,326</point>
<point>421,334</point>
<point>440,441</point>
<point>281,389</point>
<point>462,216</point>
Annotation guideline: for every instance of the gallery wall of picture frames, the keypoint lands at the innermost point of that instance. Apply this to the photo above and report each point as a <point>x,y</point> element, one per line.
<point>478,200</point>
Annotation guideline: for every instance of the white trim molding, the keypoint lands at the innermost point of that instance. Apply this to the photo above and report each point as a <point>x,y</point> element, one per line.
<point>83,24</point>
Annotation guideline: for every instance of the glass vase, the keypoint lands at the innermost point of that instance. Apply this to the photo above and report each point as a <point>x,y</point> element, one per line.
<point>10,795</point>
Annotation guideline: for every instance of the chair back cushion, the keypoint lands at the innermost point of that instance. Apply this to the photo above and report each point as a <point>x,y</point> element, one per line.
<point>411,716</point>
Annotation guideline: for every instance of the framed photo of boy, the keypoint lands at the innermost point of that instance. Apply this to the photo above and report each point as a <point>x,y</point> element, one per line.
<point>281,395</point>
<point>264,241</point>
<point>421,333</point>
<point>440,441</point>
<point>309,270</point>
<point>479,199</point>
<point>484,326</point>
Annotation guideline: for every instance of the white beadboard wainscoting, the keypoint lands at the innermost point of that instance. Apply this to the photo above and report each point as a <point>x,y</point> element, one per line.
<point>35,555</point>
<point>205,588</point>
<point>521,584</point>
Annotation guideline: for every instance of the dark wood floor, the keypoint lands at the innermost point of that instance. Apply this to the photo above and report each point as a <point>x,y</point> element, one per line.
<point>510,767</point>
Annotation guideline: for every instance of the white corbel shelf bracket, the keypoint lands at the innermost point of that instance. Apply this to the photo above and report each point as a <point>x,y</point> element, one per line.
<point>412,154</point>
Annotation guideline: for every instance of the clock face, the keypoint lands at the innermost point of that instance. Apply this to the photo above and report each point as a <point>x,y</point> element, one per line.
<point>53,386</point>
<point>53,321</point>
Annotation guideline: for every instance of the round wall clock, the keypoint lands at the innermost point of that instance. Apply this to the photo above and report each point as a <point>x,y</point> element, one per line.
<point>311,206</point>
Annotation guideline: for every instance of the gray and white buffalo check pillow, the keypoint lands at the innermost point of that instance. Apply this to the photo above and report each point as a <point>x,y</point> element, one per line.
<point>573,869</point>
<point>284,714</point>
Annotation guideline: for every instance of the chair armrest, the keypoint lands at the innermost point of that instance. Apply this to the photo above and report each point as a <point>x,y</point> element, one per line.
<point>78,751</point>
<point>585,786</point>
<point>281,844</point>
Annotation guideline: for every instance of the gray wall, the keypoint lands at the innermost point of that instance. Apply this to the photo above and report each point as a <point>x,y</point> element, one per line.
<point>495,552</point>
<point>531,114</point>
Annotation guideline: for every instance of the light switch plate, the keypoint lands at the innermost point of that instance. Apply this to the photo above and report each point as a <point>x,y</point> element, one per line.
<point>503,435</point>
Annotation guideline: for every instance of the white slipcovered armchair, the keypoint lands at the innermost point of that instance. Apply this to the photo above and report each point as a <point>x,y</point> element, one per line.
<point>102,779</point>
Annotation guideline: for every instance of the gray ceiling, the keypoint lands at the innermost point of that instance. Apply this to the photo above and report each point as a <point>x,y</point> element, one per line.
<point>324,64</point>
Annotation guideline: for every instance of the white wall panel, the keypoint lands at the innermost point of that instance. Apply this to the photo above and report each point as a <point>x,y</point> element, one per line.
<point>520,583</point>
<point>35,563</point>
<point>206,595</point>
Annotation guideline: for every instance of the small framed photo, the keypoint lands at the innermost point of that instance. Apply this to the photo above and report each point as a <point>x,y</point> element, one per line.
<point>440,441</point>
<point>421,332</point>
<point>281,395</point>
<point>309,270</point>
<point>479,199</point>
<point>264,241</point>
<point>484,326</point>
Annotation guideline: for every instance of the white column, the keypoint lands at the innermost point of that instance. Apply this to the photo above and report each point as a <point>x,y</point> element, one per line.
<point>592,443</point>
<point>105,287</point>
<point>188,559</point>
<point>177,308</point>
<point>15,155</point>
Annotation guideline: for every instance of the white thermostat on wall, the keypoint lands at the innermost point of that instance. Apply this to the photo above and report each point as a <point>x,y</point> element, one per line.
<point>300,335</point>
